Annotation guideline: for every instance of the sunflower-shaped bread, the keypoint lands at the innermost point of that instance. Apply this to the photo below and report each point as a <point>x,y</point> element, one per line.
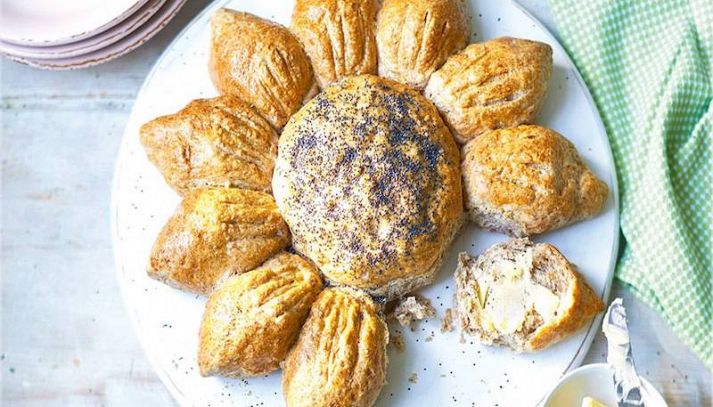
<point>367,180</point>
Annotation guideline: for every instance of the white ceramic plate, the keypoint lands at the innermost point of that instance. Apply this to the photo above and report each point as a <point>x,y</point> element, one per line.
<point>448,371</point>
<point>52,22</point>
<point>90,44</point>
<point>113,50</point>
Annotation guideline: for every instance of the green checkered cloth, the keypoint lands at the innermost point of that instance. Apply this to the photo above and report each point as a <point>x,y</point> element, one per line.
<point>649,65</point>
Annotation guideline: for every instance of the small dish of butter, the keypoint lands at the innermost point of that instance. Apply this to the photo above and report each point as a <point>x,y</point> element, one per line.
<point>593,386</point>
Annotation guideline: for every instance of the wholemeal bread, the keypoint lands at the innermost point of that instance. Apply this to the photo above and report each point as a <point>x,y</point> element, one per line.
<point>216,232</point>
<point>212,142</point>
<point>415,37</point>
<point>260,62</point>
<point>368,179</point>
<point>491,85</point>
<point>527,180</point>
<point>338,36</point>
<point>522,295</point>
<point>252,320</point>
<point>340,357</point>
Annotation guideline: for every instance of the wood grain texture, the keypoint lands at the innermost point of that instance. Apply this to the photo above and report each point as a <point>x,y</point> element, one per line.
<point>66,339</point>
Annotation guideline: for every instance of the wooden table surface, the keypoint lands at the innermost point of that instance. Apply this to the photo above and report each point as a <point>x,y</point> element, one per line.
<point>66,340</point>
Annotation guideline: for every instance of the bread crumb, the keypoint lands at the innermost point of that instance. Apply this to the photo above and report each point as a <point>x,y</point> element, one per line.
<point>447,324</point>
<point>413,308</point>
<point>413,378</point>
<point>397,341</point>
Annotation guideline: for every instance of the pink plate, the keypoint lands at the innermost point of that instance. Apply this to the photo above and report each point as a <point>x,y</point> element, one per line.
<point>87,45</point>
<point>42,23</point>
<point>115,50</point>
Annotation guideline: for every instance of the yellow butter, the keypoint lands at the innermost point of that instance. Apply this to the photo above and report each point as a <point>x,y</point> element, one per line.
<point>506,307</point>
<point>591,402</point>
<point>544,301</point>
<point>506,302</point>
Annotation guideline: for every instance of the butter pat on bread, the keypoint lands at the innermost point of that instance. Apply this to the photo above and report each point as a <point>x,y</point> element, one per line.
<point>522,295</point>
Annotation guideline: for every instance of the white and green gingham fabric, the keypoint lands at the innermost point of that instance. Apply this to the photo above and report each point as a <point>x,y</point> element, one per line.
<point>649,66</point>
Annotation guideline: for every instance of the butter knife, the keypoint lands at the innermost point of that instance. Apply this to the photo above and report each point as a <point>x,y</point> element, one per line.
<point>619,357</point>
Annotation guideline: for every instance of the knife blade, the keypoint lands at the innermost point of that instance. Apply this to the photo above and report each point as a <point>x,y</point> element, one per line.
<point>619,357</point>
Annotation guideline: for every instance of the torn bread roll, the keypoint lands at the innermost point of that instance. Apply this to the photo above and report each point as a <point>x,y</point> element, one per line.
<point>522,295</point>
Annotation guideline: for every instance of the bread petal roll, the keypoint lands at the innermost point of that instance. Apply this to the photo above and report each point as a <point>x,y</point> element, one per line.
<point>260,62</point>
<point>368,179</point>
<point>415,37</point>
<point>527,180</point>
<point>491,85</point>
<point>216,232</point>
<point>251,320</point>
<point>522,295</point>
<point>340,356</point>
<point>338,36</point>
<point>212,142</point>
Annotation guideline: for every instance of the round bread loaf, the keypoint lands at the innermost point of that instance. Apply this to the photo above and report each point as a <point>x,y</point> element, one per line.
<point>368,180</point>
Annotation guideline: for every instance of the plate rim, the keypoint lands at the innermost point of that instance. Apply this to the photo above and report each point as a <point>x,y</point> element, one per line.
<point>586,342</point>
<point>589,338</point>
<point>173,389</point>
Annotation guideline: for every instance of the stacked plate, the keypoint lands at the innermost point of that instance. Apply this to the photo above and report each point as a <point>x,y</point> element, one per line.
<point>74,34</point>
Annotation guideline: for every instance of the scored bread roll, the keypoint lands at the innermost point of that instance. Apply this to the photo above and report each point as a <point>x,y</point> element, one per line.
<point>251,320</point>
<point>527,180</point>
<point>491,85</point>
<point>522,295</point>
<point>260,62</point>
<point>340,357</point>
<point>218,142</point>
<point>415,37</point>
<point>338,36</point>
<point>216,232</point>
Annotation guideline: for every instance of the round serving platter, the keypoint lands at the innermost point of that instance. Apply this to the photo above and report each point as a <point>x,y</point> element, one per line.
<point>435,368</point>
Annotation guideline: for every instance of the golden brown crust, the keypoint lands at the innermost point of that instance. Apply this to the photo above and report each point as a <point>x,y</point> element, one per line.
<point>212,142</point>
<point>415,37</point>
<point>260,62</point>
<point>368,179</point>
<point>583,305</point>
<point>340,356</point>
<point>251,320</point>
<point>491,85</point>
<point>338,36</point>
<point>527,180</point>
<point>217,232</point>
